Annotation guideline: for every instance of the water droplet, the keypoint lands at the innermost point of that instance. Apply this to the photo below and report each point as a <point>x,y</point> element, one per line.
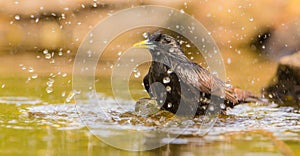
<point>211,108</point>
<point>30,70</point>
<point>63,16</point>
<point>168,89</point>
<point>171,50</point>
<point>105,41</point>
<point>50,82</point>
<point>60,53</point>
<point>169,105</point>
<point>3,86</point>
<point>166,80</point>
<point>228,84</point>
<point>45,51</point>
<point>188,45</point>
<point>270,96</point>
<point>49,90</point>
<point>63,94</point>
<point>17,17</point>
<point>185,4</point>
<point>137,74</point>
<point>34,76</point>
<point>71,95</point>
<point>177,26</point>
<point>64,74</point>
<point>222,106</point>
<point>214,73</point>
<point>48,56</point>
<point>228,60</point>
<point>95,5</point>
<point>182,11</point>
<point>251,19</point>
<point>170,71</point>
<point>119,53</point>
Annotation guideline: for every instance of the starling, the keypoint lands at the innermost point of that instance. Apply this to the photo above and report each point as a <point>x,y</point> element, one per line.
<point>182,86</point>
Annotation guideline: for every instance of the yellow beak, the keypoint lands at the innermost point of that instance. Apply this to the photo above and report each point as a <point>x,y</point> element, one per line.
<point>142,44</point>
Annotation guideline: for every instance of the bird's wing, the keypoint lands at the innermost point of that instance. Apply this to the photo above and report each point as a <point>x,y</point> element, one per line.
<point>200,78</point>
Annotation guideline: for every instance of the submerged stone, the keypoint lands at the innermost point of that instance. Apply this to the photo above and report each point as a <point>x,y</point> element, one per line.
<point>146,107</point>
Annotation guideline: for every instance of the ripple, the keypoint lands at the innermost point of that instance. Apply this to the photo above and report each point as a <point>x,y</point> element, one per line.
<point>19,100</point>
<point>115,118</point>
<point>60,116</point>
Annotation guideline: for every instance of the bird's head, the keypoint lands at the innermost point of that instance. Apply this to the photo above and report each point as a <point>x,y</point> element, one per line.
<point>161,44</point>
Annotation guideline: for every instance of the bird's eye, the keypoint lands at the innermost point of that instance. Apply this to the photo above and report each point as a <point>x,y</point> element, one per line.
<point>157,38</point>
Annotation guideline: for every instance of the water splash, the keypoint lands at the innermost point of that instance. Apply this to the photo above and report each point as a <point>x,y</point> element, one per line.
<point>71,95</point>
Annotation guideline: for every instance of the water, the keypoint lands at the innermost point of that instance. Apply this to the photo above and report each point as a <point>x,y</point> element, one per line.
<point>34,122</point>
<point>30,123</point>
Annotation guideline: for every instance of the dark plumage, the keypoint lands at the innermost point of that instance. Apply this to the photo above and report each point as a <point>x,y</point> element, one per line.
<point>184,87</point>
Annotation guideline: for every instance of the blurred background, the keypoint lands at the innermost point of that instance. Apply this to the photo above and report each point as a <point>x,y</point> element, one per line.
<point>33,33</point>
<point>39,40</point>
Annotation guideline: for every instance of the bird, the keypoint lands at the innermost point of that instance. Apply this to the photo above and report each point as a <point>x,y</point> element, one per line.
<point>184,87</point>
